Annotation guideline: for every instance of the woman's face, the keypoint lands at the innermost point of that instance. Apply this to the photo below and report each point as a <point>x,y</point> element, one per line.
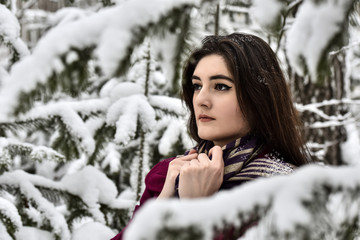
<point>218,115</point>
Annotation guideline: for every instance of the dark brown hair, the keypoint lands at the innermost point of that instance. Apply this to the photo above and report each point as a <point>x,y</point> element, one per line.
<point>262,92</point>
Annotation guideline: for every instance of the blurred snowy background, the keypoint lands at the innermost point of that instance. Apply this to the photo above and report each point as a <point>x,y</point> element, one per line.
<point>89,102</point>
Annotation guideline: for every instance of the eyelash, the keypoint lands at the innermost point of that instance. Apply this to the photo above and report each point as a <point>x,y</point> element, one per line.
<point>218,87</point>
<point>221,87</point>
<point>196,86</point>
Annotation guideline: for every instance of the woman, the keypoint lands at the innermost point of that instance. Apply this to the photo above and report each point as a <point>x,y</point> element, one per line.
<point>241,116</point>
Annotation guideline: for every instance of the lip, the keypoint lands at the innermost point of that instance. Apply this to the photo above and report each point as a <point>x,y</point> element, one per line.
<point>205,118</point>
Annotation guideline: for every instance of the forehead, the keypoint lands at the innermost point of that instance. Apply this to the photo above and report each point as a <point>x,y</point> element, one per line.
<point>212,64</point>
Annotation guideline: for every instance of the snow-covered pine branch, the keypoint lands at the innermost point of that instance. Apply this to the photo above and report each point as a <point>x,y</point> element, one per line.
<point>316,30</point>
<point>337,120</point>
<point>10,32</point>
<point>168,104</point>
<point>10,215</point>
<point>68,112</point>
<point>10,148</point>
<point>314,202</point>
<point>25,184</point>
<point>84,194</point>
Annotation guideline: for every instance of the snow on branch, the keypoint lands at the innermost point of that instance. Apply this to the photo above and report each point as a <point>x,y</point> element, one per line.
<point>169,104</point>
<point>10,31</point>
<point>109,29</point>
<point>338,120</point>
<point>315,26</point>
<point>307,194</point>
<point>170,136</point>
<point>9,211</point>
<point>234,9</point>
<point>89,185</point>
<point>26,184</point>
<point>267,13</point>
<point>11,147</point>
<point>126,112</point>
<point>69,113</point>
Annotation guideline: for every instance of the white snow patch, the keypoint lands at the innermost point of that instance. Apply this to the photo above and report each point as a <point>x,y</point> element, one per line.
<point>266,12</point>
<point>9,25</point>
<point>31,233</point>
<point>93,231</point>
<point>10,31</point>
<point>350,149</point>
<point>8,209</point>
<point>91,185</point>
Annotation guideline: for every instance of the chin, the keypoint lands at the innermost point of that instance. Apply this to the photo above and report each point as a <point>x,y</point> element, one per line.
<point>205,137</point>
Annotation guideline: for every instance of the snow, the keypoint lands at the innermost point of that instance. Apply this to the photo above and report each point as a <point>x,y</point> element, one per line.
<point>67,15</point>
<point>92,230</point>
<point>350,149</point>
<point>266,12</point>
<point>40,153</point>
<point>9,25</point>
<point>68,111</point>
<point>10,31</point>
<point>169,104</point>
<point>31,233</point>
<point>335,120</point>
<point>316,23</point>
<point>4,235</point>
<point>34,214</point>
<point>112,158</point>
<point>126,112</point>
<point>26,183</point>
<point>91,185</point>
<point>170,136</point>
<point>109,52</point>
<point>286,193</point>
<point>3,73</point>
<point>98,189</point>
<point>125,89</point>
<point>8,209</point>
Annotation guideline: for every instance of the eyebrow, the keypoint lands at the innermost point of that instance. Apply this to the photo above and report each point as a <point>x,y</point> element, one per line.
<point>214,77</point>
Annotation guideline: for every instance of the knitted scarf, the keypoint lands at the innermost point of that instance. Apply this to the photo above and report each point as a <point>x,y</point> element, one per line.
<point>236,155</point>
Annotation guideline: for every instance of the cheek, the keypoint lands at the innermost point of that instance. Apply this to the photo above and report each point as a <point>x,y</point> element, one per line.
<point>237,116</point>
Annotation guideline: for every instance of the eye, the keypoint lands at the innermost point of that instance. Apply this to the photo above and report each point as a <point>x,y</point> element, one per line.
<point>222,87</point>
<point>196,86</point>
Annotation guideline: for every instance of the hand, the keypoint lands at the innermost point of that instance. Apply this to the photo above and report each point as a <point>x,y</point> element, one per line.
<point>202,177</point>
<point>173,171</point>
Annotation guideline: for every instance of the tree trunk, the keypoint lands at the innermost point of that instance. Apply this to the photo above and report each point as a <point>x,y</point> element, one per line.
<point>324,140</point>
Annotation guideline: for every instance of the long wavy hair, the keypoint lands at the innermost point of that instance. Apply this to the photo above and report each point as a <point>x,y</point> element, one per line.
<point>262,92</point>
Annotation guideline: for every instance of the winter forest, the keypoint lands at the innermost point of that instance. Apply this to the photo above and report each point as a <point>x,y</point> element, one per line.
<point>90,101</point>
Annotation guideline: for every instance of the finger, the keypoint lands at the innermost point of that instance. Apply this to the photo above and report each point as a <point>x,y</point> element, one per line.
<point>194,162</point>
<point>180,162</point>
<point>192,151</point>
<point>203,159</point>
<point>216,153</point>
<point>188,157</point>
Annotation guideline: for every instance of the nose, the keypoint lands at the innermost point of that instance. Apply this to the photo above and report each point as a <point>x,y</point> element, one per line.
<point>202,98</point>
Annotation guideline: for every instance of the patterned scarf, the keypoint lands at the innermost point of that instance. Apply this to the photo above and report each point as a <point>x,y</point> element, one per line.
<point>236,155</point>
